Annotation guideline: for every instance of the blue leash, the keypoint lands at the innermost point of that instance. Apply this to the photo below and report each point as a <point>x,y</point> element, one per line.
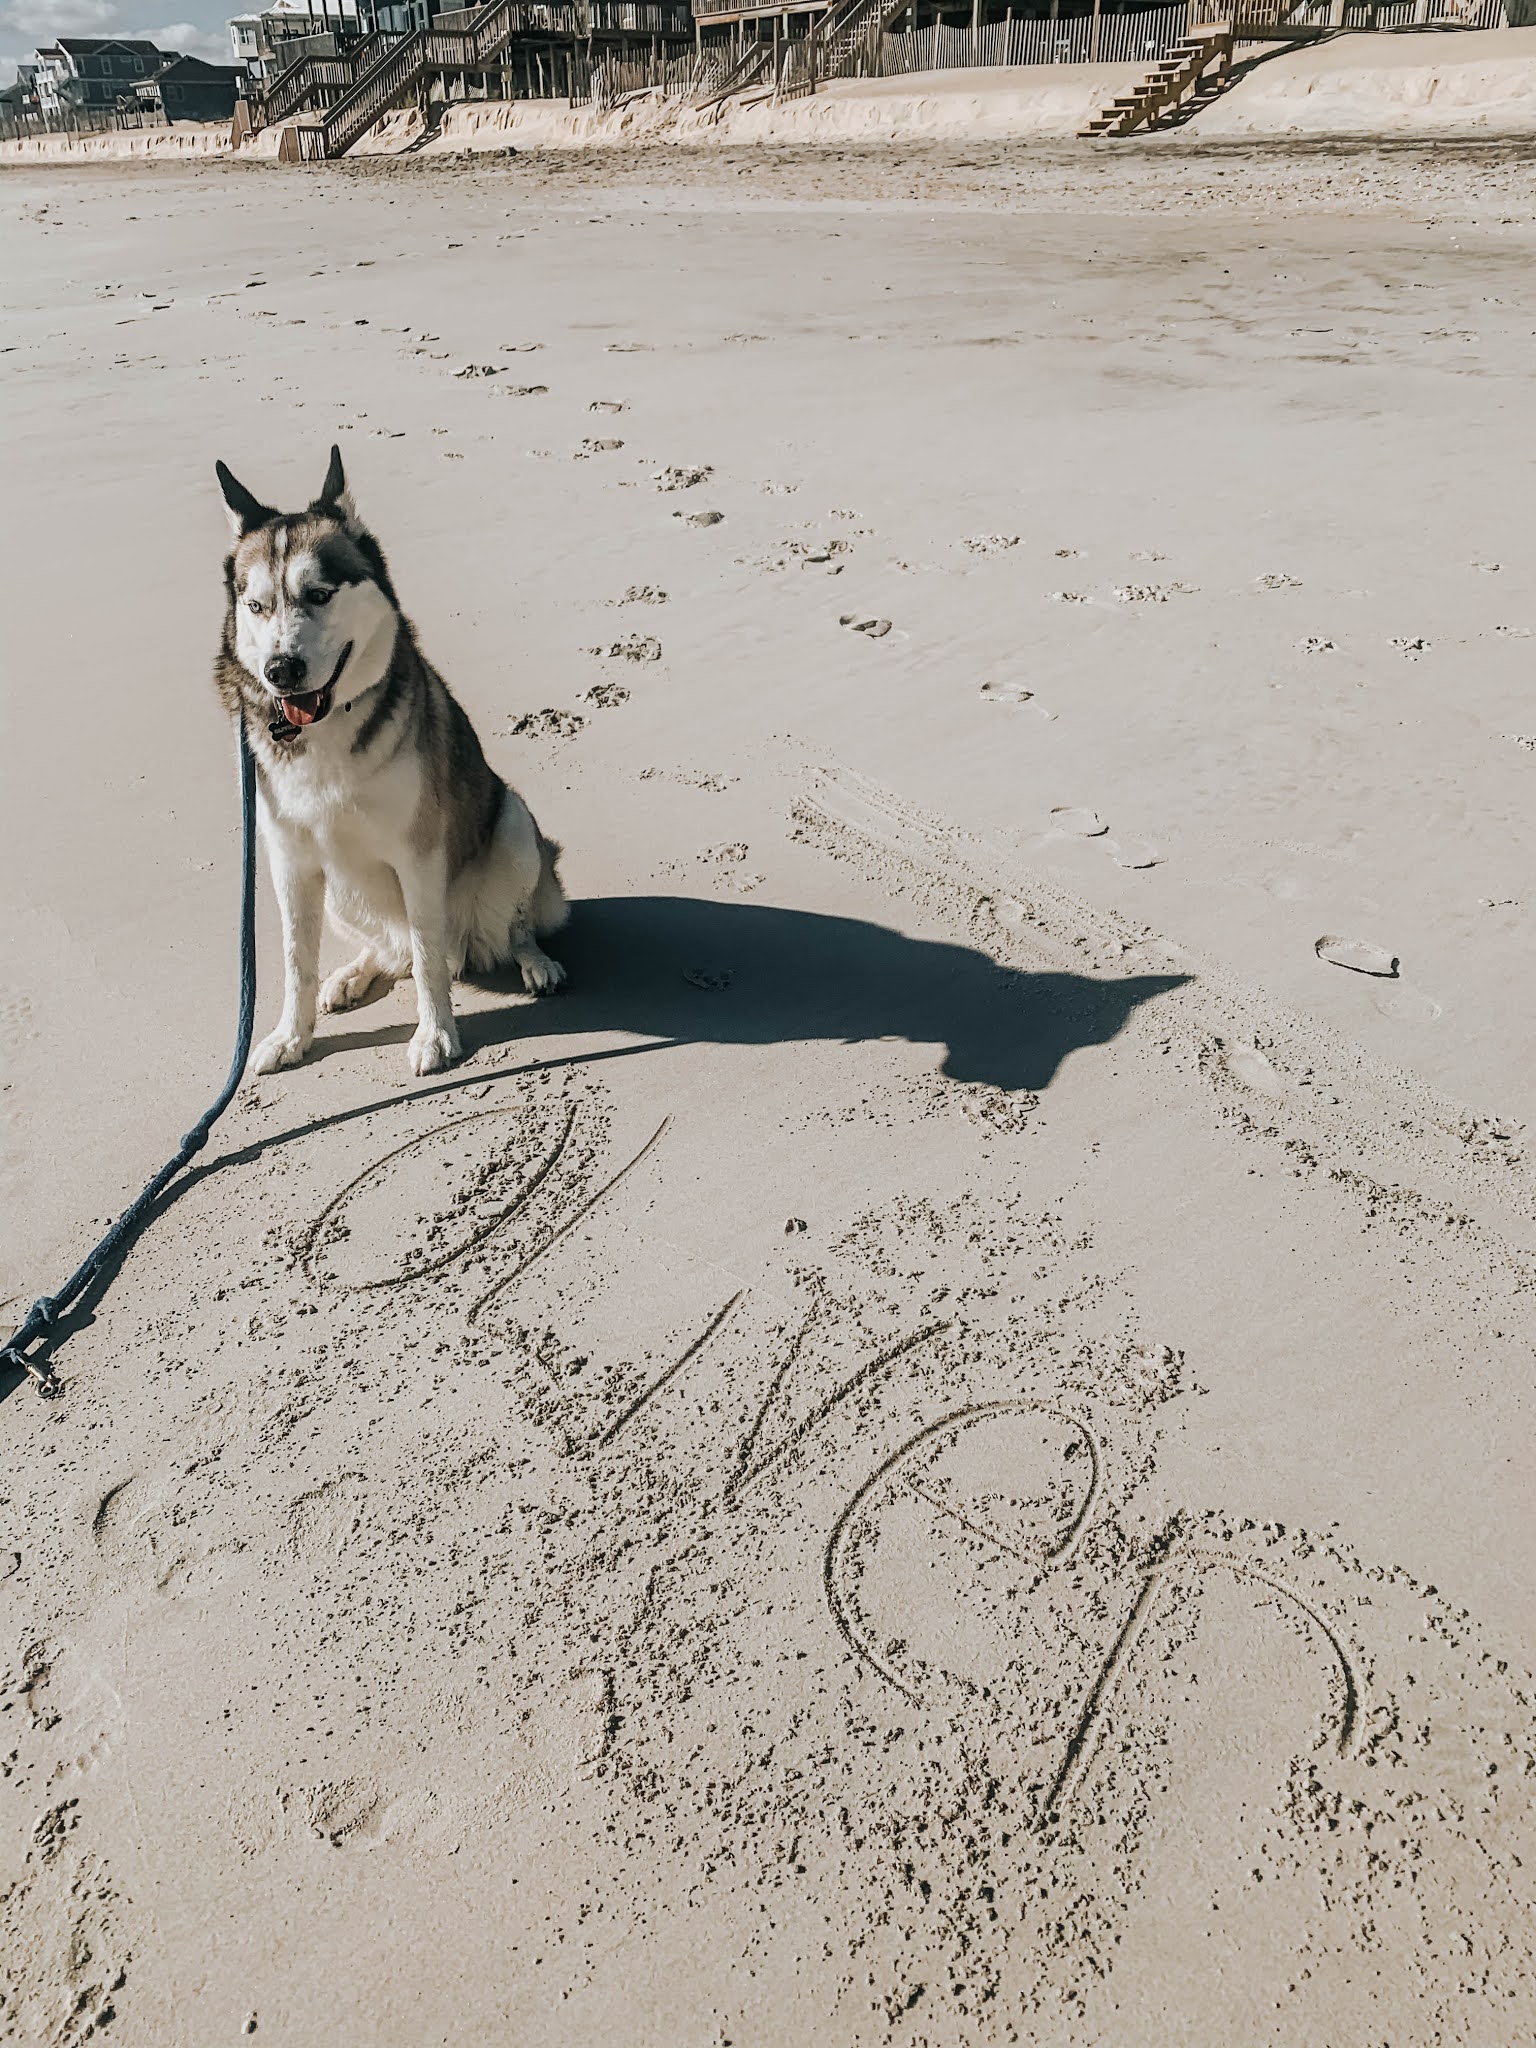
<point>41,1326</point>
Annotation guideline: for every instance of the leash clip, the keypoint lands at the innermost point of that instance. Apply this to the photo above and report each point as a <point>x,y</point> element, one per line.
<point>38,1370</point>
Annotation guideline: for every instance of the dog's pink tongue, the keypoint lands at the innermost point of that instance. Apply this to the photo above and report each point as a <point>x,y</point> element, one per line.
<point>300,710</point>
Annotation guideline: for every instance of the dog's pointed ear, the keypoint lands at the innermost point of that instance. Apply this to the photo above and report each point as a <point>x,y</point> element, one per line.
<point>245,512</point>
<point>334,496</point>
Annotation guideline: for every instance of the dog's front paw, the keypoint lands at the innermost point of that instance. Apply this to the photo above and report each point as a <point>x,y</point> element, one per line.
<point>280,1048</point>
<point>434,1047</point>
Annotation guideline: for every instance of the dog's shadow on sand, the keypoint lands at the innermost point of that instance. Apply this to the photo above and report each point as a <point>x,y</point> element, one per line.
<point>776,976</point>
<point>769,976</point>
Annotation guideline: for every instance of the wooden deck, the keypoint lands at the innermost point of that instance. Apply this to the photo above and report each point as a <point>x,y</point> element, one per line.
<point>721,13</point>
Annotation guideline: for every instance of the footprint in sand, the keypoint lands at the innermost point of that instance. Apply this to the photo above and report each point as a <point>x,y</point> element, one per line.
<point>1134,854</point>
<point>990,543</point>
<point>347,1814</point>
<point>874,629</point>
<point>1278,580</point>
<point>606,405</point>
<point>816,554</point>
<point>322,1521</point>
<point>1314,643</point>
<point>1252,1069</point>
<point>1407,1005</point>
<point>524,390</point>
<point>1358,955</point>
<point>546,724</point>
<point>125,1523</point>
<point>635,647</point>
<point>701,518</point>
<point>1076,822</point>
<point>680,477</point>
<point>480,370</point>
<point>606,696</point>
<point>591,447</point>
<point>1013,693</point>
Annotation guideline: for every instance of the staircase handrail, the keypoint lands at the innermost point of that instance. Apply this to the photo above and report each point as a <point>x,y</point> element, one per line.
<point>422,50</point>
<point>842,14</point>
<point>293,89</point>
<point>746,71</point>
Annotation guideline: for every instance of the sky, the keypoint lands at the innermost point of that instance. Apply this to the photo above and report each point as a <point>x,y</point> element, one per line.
<point>26,23</point>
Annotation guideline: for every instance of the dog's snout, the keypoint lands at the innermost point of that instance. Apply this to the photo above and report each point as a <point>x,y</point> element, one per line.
<point>284,670</point>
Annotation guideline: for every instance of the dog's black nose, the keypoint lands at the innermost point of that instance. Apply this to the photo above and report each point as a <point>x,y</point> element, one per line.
<point>284,670</point>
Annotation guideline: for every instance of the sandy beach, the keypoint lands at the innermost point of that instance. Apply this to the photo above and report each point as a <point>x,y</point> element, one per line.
<point>937,1450</point>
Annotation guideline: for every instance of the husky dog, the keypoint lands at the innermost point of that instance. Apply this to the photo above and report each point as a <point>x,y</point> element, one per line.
<point>373,794</point>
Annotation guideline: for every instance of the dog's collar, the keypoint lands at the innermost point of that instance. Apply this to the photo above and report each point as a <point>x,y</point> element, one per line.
<point>282,729</point>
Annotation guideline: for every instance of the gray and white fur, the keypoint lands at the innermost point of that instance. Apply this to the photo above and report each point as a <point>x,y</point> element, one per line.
<point>374,797</point>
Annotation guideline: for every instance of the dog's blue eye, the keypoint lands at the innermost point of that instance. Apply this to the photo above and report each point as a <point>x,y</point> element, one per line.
<point>318,596</point>
<point>252,605</point>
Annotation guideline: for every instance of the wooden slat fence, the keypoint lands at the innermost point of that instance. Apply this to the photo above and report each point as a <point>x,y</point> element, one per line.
<point>1142,34</point>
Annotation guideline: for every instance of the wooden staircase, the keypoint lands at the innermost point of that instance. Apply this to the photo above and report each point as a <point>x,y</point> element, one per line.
<point>1193,72</point>
<point>399,75</point>
<point>314,82</point>
<point>830,50</point>
<point>846,25</point>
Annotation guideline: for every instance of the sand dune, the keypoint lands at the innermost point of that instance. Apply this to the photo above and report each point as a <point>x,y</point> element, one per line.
<point>1378,85</point>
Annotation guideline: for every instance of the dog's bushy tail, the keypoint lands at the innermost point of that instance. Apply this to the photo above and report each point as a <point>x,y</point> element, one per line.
<point>550,909</point>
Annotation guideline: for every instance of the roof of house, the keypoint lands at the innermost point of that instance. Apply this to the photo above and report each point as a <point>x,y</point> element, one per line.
<point>92,46</point>
<point>190,70</point>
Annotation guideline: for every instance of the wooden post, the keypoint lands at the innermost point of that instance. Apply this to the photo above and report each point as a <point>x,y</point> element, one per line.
<point>1093,39</point>
<point>975,30</point>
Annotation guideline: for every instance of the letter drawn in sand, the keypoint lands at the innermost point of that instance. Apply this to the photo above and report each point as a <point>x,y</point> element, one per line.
<point>929,1439</point>
<point>747,1471</point>
<point>665,1378</point>
<point>553,1237</point>
<point>1119,1659</point>
<point>1084,1738</point>
<point>323,1229</point>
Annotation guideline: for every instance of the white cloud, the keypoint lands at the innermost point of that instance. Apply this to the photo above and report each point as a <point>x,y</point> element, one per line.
<point>188,41</point>
<point>39,21</point>
<point>45,19</point>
